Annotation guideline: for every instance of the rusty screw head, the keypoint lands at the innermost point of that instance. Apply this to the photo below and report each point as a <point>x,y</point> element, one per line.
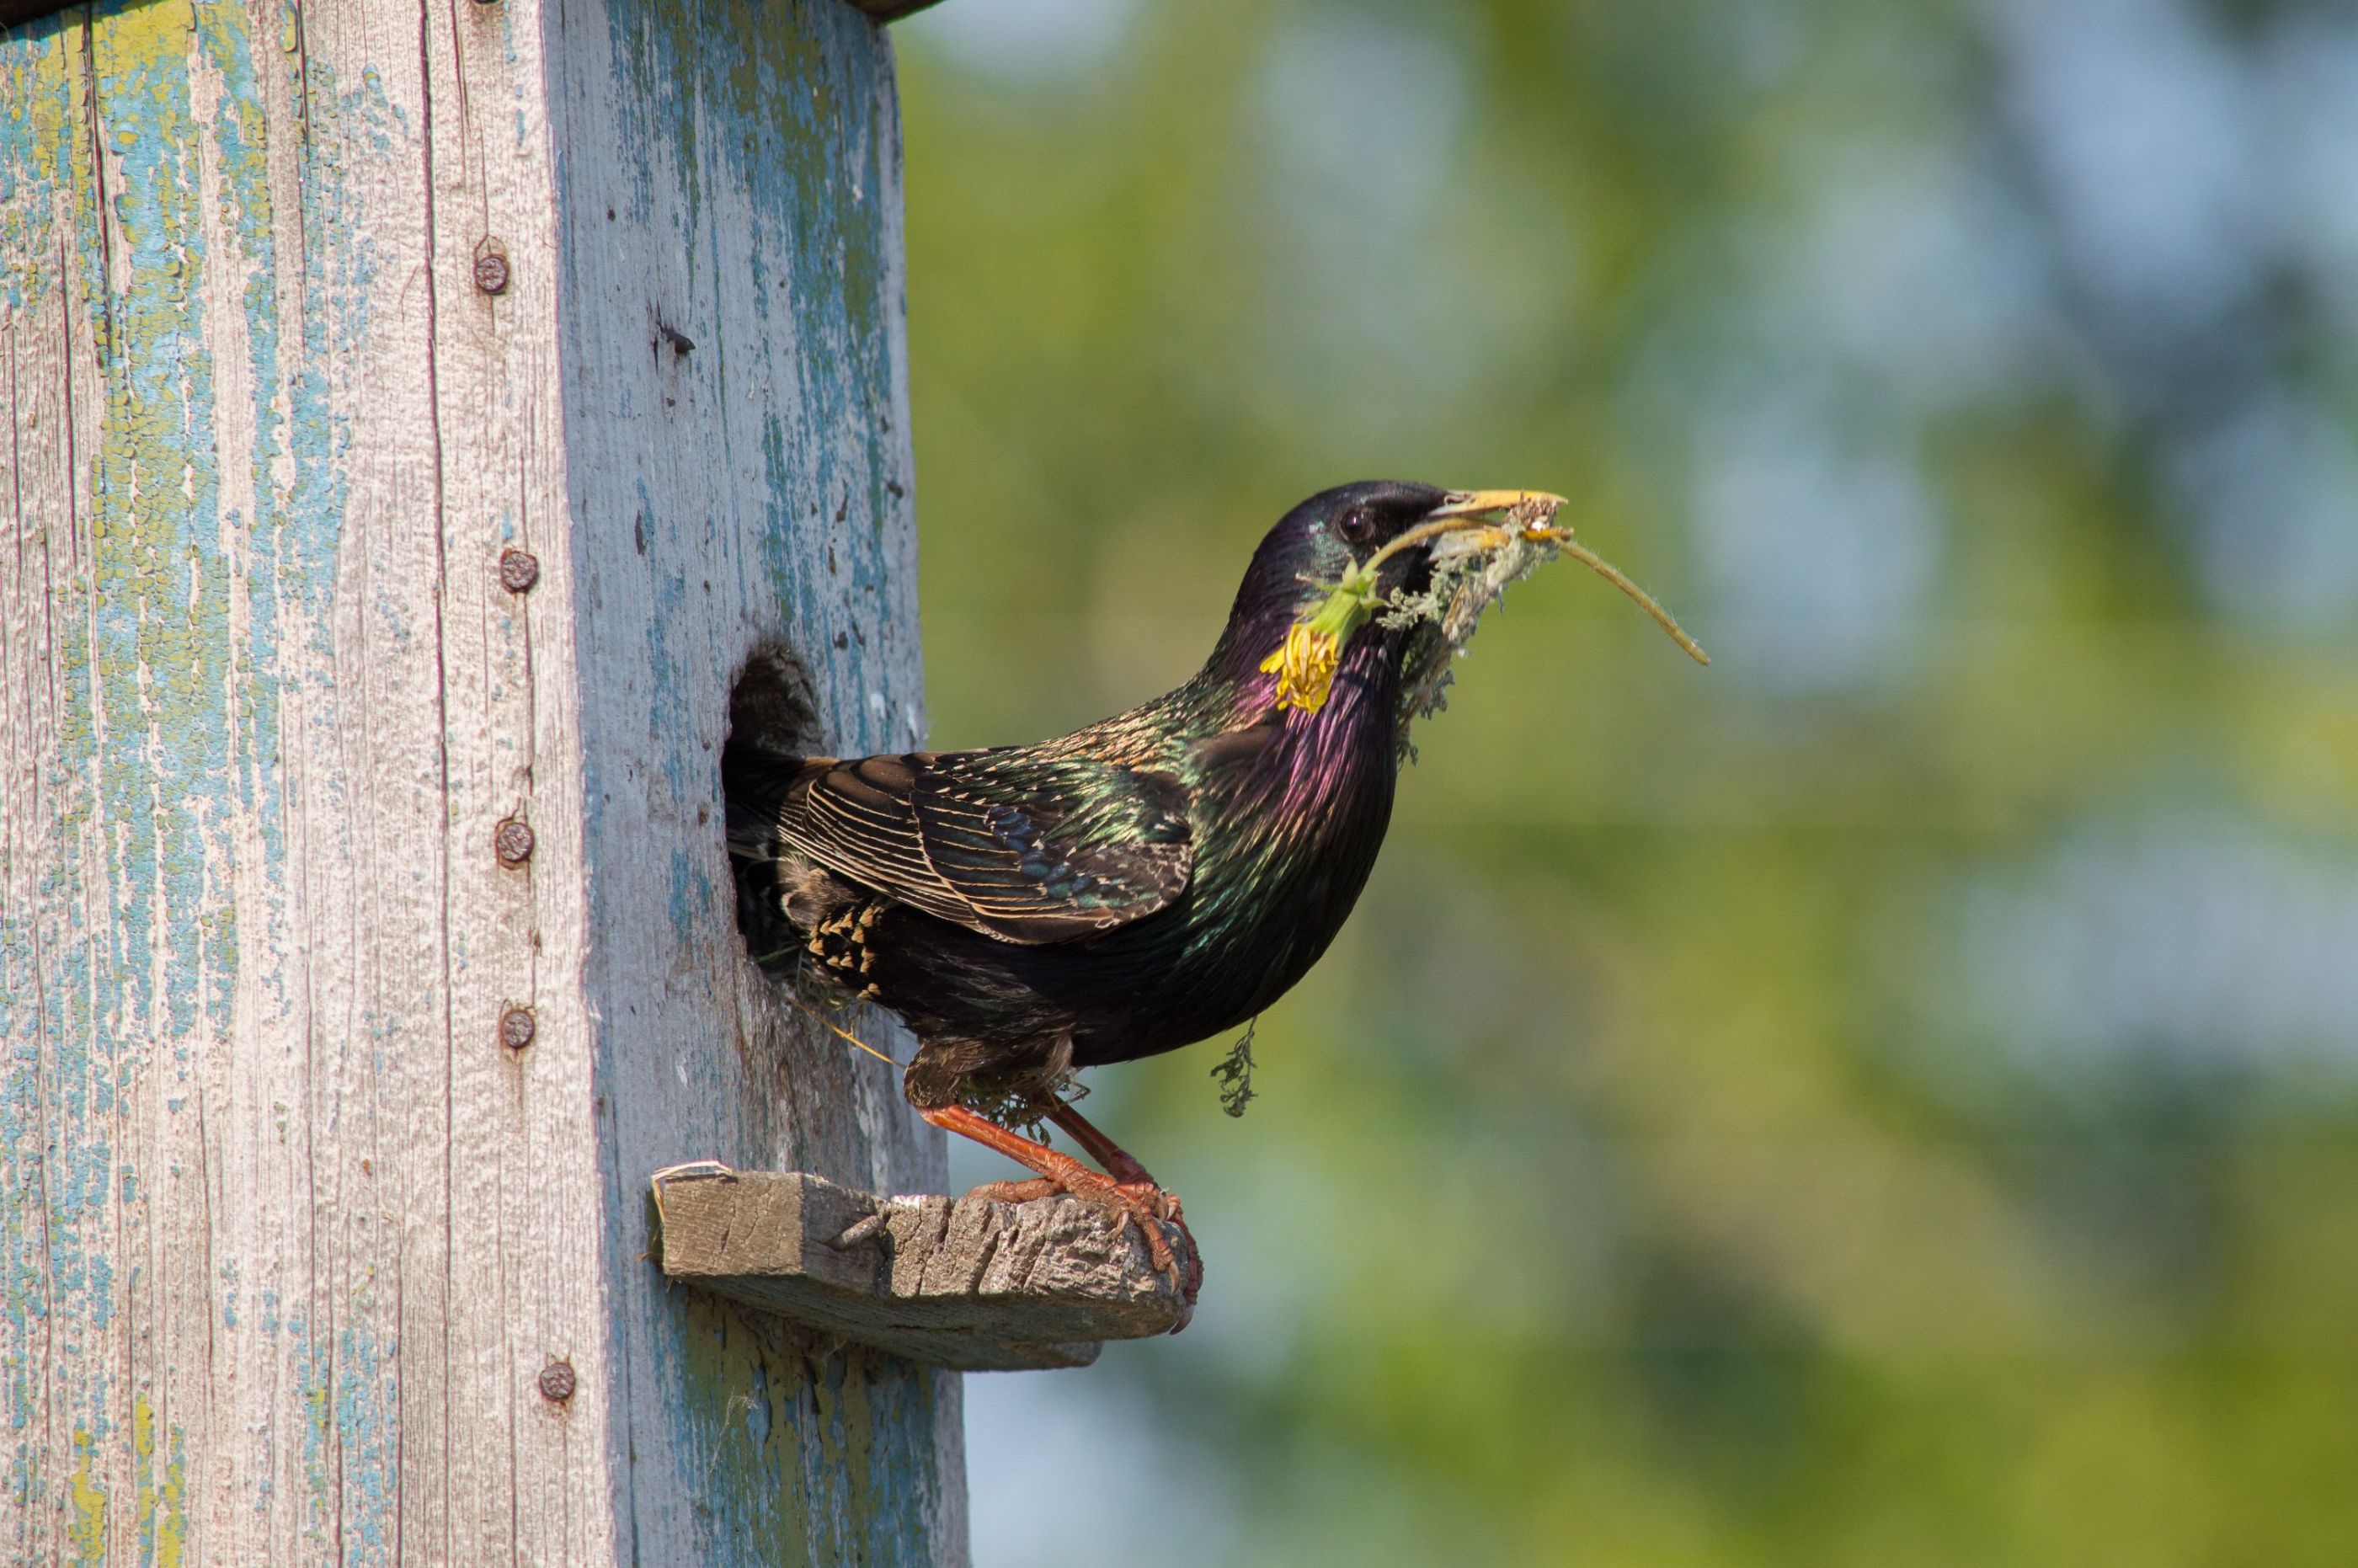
<point>492,273</point>
<point>512,842</point>
<point>517,1026</point>
<point>557,1382</point>
<point>519,569</point>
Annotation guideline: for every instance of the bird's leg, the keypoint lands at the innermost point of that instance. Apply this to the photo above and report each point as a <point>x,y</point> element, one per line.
<point>1060,1172</point>
<point>1117,1160</point>
<point>1132,1176</point>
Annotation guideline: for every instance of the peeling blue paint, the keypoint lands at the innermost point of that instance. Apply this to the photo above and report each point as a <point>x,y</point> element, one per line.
<point>175,714</point>
<point>169,724</point>
<point>757,222</point>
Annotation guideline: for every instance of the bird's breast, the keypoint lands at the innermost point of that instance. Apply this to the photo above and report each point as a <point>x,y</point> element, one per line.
<point>1287,827</point>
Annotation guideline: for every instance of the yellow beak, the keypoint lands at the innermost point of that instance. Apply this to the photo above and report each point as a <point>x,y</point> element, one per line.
<point>1474,503</point>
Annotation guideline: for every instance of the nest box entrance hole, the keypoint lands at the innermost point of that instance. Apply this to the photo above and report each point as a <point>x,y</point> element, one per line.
<point>772,718</point>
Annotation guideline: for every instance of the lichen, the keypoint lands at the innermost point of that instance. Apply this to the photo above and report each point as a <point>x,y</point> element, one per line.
<point>1473,567</point>
<point>1234,1072</point>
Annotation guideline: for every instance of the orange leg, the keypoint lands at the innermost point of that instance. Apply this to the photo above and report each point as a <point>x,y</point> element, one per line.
<point>1116,1160</point>
<point>1128,1191</point>
<point>1125,1170</point>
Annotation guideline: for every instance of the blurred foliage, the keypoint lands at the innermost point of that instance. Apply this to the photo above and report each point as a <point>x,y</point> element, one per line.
<point>1888,1098</point>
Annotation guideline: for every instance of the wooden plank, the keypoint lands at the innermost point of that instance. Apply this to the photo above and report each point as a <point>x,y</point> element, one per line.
<point>966,1283</point>
<point>287,1236</point>
<point>737,398</point>
<point>258,870</point>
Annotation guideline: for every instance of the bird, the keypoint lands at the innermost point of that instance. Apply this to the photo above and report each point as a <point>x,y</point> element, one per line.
<point>1143,883</point>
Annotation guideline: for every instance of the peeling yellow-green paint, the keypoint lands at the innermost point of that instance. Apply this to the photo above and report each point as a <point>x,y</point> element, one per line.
<point>800,1453</point>
<point>163,1521</point>
<point>750,1471</point>
<point>87,1500</point>
<point>135,200</point>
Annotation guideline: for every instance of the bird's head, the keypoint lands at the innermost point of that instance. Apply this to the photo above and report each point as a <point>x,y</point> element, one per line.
<point>1320,575</point>
<point>1348,528</point>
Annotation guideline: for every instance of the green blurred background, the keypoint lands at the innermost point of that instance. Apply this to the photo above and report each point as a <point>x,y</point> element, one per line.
<point>1889,1099</point>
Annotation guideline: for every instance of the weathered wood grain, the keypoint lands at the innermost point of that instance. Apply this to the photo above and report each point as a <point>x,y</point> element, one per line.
<point>965,1283</point>
<point>287,1235</point>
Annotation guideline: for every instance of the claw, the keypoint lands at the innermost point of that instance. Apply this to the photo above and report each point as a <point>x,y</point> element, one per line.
<point>1130,1192</point>
<point>1146,1206</point>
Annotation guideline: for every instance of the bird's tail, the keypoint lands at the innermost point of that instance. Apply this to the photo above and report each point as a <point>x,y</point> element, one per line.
<point>754,785</point>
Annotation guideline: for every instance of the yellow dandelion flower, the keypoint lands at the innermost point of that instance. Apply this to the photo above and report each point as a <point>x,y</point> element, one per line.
<point>1305,663</point>
<point>1304,666</point>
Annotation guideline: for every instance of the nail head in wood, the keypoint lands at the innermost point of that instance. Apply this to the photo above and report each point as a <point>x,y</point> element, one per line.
<point>517,1026</point>
<point>512,842</point>
<point>557,1382</point>
<point>492,272</point>
<point>519,569</point>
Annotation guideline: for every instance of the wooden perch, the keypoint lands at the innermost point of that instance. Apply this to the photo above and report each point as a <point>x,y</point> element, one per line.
<point>965,1283</point>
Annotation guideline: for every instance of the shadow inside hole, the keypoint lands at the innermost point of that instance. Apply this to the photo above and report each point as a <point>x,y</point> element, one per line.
<point>773,724</point>
<point>773,706</point>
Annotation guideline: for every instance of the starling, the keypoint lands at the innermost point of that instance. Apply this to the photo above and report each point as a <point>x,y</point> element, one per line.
<point>1153,879</point>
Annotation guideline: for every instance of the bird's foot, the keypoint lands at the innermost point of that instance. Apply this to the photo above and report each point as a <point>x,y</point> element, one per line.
<point>1141,1203</point>
<point>1130,1192</point>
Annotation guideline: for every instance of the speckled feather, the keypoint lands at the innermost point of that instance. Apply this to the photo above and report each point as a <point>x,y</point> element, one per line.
<point>1149,881</point>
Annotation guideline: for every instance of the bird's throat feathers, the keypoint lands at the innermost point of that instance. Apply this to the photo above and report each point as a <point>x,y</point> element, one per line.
<point>1348,745</point>
<point>1305,796</point>
<point>1349,735</point>
<point>1306,762</point>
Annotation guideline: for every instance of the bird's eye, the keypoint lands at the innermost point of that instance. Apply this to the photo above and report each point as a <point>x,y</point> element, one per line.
<point>1357,526</point>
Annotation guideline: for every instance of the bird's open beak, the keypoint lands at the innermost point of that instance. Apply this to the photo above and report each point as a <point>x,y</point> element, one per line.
<point>1474,503</point>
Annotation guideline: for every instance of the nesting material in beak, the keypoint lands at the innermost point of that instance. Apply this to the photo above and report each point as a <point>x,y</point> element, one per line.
<point>1474,564</point>
<point>1475,559</point>
<point>1537,503</point>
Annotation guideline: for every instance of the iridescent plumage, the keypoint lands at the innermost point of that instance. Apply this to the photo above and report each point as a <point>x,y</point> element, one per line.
<point>1151,880</point>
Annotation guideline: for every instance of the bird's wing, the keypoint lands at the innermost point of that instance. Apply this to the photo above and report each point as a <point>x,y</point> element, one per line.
<point>1024,847</point>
